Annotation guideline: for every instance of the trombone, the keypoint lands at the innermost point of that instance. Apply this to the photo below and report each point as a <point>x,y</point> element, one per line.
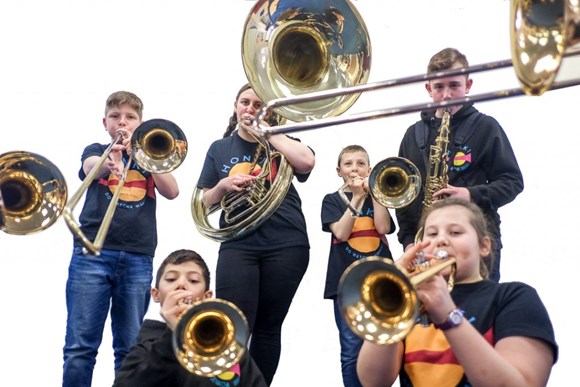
<point>393,182</point>
<point>211,337</point>
<point>158,146</point>
<point>378,299</point>
<point>542,35</point>
<point>33,193</point>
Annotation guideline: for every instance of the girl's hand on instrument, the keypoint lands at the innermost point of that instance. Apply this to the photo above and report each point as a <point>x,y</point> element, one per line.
<point>407,260</point>
<point>238,182</point>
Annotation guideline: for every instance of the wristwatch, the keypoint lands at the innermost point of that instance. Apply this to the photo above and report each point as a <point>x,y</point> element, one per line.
<point>453,319</point>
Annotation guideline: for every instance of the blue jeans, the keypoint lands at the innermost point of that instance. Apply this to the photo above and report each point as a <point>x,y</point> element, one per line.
<point>350,345</point>
<point>117,280</point>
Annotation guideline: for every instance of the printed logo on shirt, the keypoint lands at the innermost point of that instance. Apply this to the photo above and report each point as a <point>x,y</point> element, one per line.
<point>244,168</point>
<point>228,378</point>
<point>429,359</point>
<point>364,238</point>
<point>461,159</point>
<point>134,191</point>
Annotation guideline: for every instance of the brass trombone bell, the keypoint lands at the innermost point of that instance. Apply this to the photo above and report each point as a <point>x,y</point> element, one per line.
<point>292,47</point>
<point>157,145</point>
<point>542,33</point>
<point>211,337</point>
<point>33,193</point>
<point>378,299</point>
<point>395,182</point>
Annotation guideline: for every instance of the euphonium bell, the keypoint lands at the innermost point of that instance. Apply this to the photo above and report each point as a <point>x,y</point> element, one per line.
<point>378,300</point>
<point>33,193</point>
<point>292,47</point>
<point>211,337</point>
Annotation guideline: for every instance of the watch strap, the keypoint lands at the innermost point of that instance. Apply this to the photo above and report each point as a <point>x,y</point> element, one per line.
<point>453,319</point>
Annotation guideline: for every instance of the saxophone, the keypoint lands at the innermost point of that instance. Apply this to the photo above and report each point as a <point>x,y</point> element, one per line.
<point>437,178</point>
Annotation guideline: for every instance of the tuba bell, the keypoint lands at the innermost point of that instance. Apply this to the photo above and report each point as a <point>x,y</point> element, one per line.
<point>293,47</point>
<point>210,337</point>
<point>33,193</point>
<point>289,47</point>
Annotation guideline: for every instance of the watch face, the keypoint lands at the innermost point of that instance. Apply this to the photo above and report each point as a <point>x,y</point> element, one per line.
<point>456,317</point>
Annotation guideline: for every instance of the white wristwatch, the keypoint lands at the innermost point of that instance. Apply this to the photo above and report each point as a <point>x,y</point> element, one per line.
<point>453,319</point>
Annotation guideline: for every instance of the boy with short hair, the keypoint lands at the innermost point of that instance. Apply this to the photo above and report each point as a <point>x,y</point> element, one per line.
<point>183,275</point>
<point>482,166</point>
<point>120,277</point>
<point>357,231</point>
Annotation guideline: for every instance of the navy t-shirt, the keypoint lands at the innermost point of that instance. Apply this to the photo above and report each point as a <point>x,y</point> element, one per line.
<point>286,227</point>
<point>133,226</point>
<point>495,310</point>
<point>364,241</point>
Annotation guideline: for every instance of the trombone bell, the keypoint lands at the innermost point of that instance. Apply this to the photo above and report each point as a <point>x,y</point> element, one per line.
<point>211,337</point>
<point>33,193</point>
<point>541,33</point>
<point>395,182</point>
<point>159,146</point>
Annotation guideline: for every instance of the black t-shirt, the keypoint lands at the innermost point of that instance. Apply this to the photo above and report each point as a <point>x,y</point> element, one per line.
<point>133,226</point>
<point>496,310</point>
<point>286,227</point>
<point>364,241</point>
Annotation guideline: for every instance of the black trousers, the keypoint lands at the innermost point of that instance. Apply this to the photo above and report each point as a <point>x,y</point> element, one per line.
<point>262,284</point>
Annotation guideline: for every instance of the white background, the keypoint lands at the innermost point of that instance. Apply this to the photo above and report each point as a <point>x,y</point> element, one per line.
<point>61,59</point>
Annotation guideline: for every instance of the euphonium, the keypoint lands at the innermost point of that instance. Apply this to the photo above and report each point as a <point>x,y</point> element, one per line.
<point>437,178</point>
<point>246,210</point>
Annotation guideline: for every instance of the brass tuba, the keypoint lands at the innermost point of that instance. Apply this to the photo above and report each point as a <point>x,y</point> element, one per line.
<point>290,47</point>
<point>211,337</point>
<point>33,193</point>
<point>378,299</point>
